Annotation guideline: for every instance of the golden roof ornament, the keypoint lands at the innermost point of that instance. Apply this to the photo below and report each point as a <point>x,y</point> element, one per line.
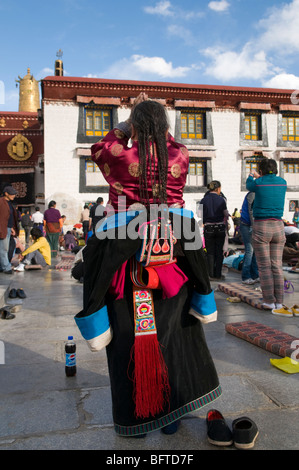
<point>28,93</point>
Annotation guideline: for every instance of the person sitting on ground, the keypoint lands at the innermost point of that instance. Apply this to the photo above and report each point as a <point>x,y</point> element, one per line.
<point>37,253</point>
<point>69,240</point>
<point>292,236</point>
<point>234,260</point>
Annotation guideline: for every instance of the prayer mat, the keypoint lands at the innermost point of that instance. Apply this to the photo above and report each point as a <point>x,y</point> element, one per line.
<point>32,267</point>
<point>66,262</point>
<point>247,293</point>
<point>270,339</point>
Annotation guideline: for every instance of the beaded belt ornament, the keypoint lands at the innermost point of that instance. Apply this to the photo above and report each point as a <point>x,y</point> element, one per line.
<point>157,247</point>
<point>151,386</point>
<point>144,312</point>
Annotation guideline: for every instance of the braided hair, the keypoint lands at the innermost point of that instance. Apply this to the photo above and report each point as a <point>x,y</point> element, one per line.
<point>150,121</point>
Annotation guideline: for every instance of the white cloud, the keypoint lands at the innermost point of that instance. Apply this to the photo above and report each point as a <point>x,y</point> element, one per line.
<point>162,8</point>
<point>158,66</point>
<point>46,71</point>
<point>286,81</point>
<point>180,32</point>
<point>139,67</point>
<point>230,65</point>
<point>221,5</point>
<point>281,29</point>
<point>165,8</point>
<point>275,40</point>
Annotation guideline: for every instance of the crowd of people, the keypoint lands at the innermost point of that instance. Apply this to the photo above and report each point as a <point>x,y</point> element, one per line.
<point>44,233</point>
<point>260,228</point>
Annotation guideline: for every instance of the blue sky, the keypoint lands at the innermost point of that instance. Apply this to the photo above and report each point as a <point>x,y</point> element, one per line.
<point>227,42</point>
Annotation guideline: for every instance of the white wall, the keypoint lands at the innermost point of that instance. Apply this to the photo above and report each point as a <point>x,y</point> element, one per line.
<point>62,162</point>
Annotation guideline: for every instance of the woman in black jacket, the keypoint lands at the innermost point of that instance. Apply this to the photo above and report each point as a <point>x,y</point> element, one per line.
<point>214,216</point>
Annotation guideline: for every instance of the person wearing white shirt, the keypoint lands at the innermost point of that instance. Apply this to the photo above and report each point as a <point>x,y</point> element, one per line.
<point>37,219</point>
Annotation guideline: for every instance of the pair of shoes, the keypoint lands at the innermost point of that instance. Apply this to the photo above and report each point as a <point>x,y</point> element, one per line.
<point>14,293</point>
<point>5,314</point>
<point>245,432</point>
<point>283,311</point>
<point>243,435</point>
<point>267,306</point>
<point>249,281</point>
<point>20,268</point>
<point>171,428</point>
<point>218,432</point>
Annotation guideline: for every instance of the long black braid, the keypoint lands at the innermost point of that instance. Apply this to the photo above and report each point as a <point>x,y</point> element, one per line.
<point>150,121</point>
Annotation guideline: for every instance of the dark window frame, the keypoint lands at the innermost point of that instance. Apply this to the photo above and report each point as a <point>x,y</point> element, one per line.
<point>207,139</point>
<point>81,133</point>
<point>263,137</point>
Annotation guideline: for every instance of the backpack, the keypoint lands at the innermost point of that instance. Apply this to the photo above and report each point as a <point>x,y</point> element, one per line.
<point>26,221</point>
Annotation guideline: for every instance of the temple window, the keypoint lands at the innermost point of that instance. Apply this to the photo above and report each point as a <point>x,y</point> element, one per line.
<point>98,122</point>
<point>290,128</point>
<point>192,125</point>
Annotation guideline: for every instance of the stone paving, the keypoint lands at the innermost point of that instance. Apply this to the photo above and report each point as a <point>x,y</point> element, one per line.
<point>42,409</point>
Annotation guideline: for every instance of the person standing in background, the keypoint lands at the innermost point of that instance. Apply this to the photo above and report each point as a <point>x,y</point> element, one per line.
<point>26,223</point>
<point>93,218</point>
<point>84,219</point>
<point>268,235</point>
<point>214,219</point>
<point>53,223</point>
<point>8,226</point>
<point>250,274</point>
<point>37,219</point>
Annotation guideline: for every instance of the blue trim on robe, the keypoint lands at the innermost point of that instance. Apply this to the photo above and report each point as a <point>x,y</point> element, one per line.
<point>204,305</point>
<point>124,218</point>
<point>93,325</point>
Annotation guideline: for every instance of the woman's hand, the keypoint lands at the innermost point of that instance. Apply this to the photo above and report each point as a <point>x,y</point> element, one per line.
<point>255,174</point>
<point>141,97</point>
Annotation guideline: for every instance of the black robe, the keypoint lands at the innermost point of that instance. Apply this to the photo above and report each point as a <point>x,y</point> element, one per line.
<point>192,376</point>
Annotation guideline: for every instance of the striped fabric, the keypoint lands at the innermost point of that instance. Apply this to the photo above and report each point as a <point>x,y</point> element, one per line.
<point>171,417</point>
<point>268,240</point>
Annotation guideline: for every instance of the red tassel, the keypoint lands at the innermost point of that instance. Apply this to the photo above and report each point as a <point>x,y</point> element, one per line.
<point>151,385</point>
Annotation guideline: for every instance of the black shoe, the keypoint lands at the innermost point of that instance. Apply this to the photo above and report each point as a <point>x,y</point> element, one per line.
<point>6,315</point>
<point>10,271</point>
<point>12,294</point>
<point>171,428</point>
<point>219,433</point>
<point>245,432</point>
<point>21,294</point>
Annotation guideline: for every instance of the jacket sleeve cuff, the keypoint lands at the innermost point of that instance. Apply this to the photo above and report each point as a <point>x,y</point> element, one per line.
<point>203,307</point>
<point>125,127</point>
<point>95,329</point>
